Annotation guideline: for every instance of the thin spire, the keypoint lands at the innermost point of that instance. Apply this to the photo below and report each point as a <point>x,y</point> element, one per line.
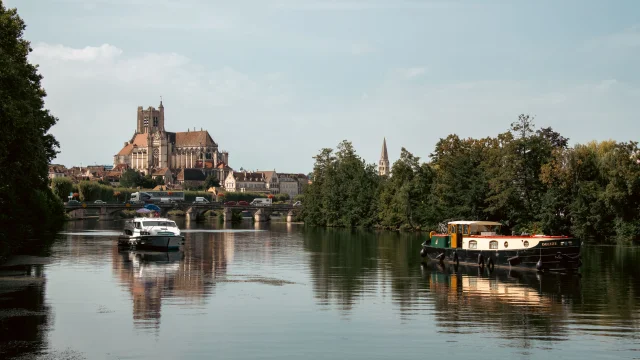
<point>384,156</point>
<point>161,101</point>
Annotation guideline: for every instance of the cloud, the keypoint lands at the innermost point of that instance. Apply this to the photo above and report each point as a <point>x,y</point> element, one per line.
<point>269,119</point>
<point>95,91</point>
<point>89,53</point>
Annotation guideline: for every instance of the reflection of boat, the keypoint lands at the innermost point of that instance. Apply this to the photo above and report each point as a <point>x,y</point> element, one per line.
<point>153,263</point>
<point>151,233</point>
<point>478,243</point>
<point>544,292</point>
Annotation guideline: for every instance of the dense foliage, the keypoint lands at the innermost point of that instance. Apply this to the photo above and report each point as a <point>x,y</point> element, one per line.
<point>28,205</point>
<point>529,179</point>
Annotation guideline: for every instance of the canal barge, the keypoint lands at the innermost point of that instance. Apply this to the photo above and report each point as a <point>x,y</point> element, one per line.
<point>151,233</point>
<point>479,243</point>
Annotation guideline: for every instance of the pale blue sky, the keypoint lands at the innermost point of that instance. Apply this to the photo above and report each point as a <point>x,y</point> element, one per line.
<point>275,81</point>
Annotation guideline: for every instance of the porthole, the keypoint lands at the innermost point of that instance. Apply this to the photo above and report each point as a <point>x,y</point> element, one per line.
<point>506,244</point>
<point>436,241</point>
<point>526,243</point>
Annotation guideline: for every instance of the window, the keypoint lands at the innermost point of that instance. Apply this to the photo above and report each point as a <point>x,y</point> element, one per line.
<point>493,245</point>
<point>526,243</point>
<point>506,244</point>
<point>155,121</point>
<point>473,244</point>
<point>465,229</point>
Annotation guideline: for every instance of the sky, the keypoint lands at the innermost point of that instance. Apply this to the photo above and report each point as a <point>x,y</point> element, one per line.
<point>275,81</point>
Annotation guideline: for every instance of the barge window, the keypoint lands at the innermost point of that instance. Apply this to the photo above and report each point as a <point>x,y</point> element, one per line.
<point>493,245</point>
<point>473,244</point>
<point>137,224</point>
<point>465,229</point>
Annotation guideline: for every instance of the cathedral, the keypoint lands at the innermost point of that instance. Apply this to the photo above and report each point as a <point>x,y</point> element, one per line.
<point>151,148</point>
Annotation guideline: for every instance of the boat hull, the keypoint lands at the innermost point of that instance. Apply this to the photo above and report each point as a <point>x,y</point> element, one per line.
<point>561,259</point>
<point>151,242</point>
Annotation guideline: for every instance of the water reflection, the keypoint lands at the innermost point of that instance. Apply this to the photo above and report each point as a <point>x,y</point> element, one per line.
<point>25,315</point>
<point>515,305</point>
<point>347,265</point>
<point>291,289</point>
<point>183,278</point>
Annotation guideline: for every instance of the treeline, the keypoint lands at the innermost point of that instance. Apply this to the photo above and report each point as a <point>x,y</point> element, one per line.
<point>29,208</point>
<point>529,179</point>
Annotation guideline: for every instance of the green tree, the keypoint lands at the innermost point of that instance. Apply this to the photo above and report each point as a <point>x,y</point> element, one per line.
<point>62,187</point>
<point>159,180</point>
<point>211,181</point>
<point>26,148</point>
<point>130,178</point>
<point>146,182</point>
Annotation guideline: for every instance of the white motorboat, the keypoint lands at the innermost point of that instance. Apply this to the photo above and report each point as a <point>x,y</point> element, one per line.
<point>151,233</point>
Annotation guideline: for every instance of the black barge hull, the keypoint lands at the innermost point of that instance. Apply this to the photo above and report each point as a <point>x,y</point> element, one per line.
<point>560,259</point>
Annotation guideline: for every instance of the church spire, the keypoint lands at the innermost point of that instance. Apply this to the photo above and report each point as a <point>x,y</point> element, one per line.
<point>383,165</point>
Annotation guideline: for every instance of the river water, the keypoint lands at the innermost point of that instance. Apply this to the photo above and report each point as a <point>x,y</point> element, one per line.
<point>283,291</point>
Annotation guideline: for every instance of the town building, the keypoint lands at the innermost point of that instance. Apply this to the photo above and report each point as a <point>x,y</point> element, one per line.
<point>270,182</point>
<point>152,147</point>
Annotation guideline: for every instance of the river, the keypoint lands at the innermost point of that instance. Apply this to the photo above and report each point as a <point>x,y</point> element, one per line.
<point>283,291</point>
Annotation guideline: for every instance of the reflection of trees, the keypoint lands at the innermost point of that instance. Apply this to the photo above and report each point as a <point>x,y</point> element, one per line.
<point>611,277</point>
<point>24,315</point>
<point>185,276</point>
<point>343,264</point>
<point>348,264</point>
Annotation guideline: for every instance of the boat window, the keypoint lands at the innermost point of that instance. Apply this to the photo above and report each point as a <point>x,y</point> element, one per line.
<point>137,225</point>
<point>465,229</point>
<point>493,245</point>
<point>506,244</point>
<point>526,243</point>
<point>473,244</point>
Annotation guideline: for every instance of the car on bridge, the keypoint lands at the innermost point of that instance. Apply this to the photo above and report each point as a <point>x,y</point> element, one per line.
<point>74,203</point>
<point>297,203</point>
<point>243,203</point>
<point>230,203</point>
<point>99,202</point>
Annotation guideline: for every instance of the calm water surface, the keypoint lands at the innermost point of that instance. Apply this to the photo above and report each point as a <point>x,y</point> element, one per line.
<point>280,291</point>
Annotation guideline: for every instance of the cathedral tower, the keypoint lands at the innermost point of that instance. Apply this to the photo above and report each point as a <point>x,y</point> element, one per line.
<point>383,164</point>
<point>150,120</point>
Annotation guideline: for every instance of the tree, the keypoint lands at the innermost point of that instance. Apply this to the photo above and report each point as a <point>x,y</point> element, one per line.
<point>147,182</point>
<point>62,187</point>
<point>130,178</point>
<point>211,181</point>
<point>26,148</point>
<point>159,180</point>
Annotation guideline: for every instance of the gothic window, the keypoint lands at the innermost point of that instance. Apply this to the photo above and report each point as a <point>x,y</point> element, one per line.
<point>155,121</point>
<point>156,157</point>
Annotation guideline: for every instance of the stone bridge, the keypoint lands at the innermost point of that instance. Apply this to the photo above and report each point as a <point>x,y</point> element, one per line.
<point>192,211</point>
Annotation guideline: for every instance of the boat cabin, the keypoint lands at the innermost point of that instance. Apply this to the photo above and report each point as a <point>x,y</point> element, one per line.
<point>456,230</point>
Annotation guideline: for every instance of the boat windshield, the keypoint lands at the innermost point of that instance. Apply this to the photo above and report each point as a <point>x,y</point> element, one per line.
<point>479,229</point>
<point>159,223</point>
